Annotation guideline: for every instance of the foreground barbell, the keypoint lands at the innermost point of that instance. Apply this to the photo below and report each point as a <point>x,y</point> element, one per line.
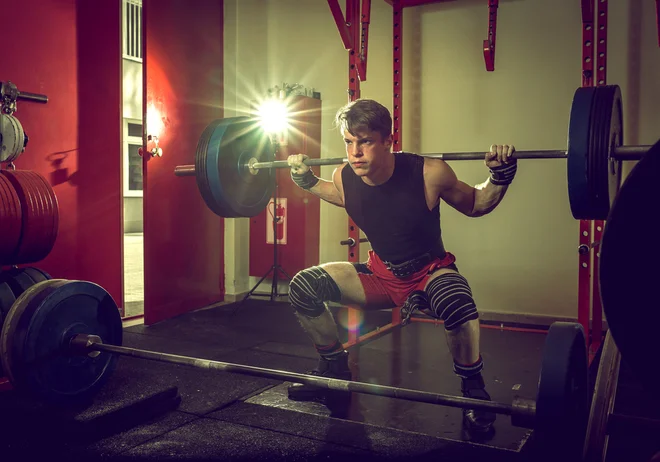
<point>235,159</point>
<point>61,340</point>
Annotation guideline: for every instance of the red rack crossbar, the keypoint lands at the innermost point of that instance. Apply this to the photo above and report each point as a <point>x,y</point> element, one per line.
<point>364,45</point>
<point>344,33</point>
<point>489,43</point>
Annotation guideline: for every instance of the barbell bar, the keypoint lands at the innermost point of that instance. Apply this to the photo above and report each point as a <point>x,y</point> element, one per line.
<point>522,408</point>
<point>623,153</point>
<point>235,159</point>
<point>61,341</point>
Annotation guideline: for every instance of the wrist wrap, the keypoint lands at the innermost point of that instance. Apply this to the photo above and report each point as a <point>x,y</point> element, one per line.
<point>306,180</point>
<point>504,174</point>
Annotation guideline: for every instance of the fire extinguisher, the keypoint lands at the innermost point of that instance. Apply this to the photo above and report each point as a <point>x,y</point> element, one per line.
<point>279,221</point>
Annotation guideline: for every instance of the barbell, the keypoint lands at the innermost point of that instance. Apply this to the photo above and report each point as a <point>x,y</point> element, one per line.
<point>61,340</point>
<point>235,159</point>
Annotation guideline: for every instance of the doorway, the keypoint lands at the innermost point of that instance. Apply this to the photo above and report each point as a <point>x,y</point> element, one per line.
<point>132,137</point>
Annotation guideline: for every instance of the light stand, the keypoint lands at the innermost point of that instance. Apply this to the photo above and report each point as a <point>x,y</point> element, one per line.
<point>275,267</point>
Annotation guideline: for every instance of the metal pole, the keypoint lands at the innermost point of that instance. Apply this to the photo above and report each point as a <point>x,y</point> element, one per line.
<point>321,382</point>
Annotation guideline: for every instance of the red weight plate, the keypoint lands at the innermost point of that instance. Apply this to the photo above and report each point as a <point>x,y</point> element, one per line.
<point>31,217</point>
<point>28,249</point>
<point>51,210</point>
<point>10,217</point>
<point>39,249</point>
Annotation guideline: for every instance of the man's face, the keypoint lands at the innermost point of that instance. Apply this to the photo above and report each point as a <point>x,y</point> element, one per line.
<point>366,150</point>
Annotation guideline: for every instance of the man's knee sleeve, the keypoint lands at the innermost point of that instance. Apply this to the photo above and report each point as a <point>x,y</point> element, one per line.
<point>310,288</point>
<point>451,300</point>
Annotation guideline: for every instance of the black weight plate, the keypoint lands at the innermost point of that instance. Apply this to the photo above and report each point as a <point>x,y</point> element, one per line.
<point>7,299</point>
<point>595,128</point>
<point>628,272</point>
<point>38,328</point>
<point>12,284</point>
<point>227,186</point>
<point>614,166</point>
<point>606,132</point>
<point>7,332</point>
<point>37,274</point>
<point>18,279</point>
<point>578,153</point>
<point>562,401</point>
<point>602,403</point>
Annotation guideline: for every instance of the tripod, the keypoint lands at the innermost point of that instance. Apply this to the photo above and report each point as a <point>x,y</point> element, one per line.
<point>275,267</point>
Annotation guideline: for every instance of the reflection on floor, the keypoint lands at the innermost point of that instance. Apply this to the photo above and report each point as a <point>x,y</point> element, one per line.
<point>133,274</point>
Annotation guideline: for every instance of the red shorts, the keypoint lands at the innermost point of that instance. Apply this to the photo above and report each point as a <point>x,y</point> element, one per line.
<point>384,290</point>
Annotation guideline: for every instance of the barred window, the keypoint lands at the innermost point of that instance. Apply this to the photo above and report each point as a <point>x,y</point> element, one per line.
<point>132,11</point>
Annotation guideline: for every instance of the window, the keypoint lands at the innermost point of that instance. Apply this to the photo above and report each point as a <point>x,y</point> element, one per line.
<point>132,29</point>
<point>132,160</point>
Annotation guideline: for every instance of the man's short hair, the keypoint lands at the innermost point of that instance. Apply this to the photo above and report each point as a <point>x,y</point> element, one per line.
<point>364,115</point>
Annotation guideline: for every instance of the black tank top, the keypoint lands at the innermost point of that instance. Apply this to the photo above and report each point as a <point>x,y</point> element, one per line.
<point>394,215</point>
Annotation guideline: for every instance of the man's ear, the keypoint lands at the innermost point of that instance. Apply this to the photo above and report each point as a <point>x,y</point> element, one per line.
<point>388,141</point>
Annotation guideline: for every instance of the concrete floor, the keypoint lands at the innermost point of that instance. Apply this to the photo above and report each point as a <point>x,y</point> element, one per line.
<point>230,416</point>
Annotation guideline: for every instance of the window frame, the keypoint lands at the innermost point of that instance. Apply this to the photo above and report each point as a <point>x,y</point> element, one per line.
<point>126,142</point>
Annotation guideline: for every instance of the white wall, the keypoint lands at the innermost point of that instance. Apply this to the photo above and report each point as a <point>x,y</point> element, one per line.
<point>245,79</point>
<point>522,258</point>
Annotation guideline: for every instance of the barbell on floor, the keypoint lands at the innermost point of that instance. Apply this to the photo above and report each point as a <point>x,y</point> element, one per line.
<point>61,340</point>
<point>235,159</point>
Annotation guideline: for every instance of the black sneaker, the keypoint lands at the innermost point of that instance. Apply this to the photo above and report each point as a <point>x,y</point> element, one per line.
<point>476,419</point>
<point>337,368</point>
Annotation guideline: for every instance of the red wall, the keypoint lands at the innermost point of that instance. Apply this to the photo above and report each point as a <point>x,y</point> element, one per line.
<point>184,240</point>
<point>71,51</point>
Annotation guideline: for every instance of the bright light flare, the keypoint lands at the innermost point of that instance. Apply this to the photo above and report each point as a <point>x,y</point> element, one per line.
<point>273,116</point>
<point>155,123</point>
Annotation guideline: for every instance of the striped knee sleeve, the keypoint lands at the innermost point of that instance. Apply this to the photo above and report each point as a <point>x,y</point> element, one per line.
<point>451,300</point>
<point>310,288</point>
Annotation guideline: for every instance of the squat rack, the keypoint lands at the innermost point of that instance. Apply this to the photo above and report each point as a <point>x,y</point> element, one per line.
<point>354,32</point>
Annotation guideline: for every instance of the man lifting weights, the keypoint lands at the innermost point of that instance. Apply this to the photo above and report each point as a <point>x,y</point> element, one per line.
<point>394,198</point>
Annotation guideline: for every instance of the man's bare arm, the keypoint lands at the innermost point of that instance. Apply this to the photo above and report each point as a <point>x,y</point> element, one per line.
<point>328,191</point>
<point>442,183</point>
<point>303,176</point>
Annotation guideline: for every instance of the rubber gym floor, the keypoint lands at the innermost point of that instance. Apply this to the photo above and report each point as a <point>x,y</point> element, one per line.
<point>156,411</point>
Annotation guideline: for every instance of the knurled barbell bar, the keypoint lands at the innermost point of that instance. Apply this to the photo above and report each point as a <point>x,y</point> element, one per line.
<point>235,159</point>
<point>61,340</point>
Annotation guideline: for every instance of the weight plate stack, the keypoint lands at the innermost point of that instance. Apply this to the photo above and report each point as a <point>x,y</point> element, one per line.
<point>39,213</point>
<point>12,284</point>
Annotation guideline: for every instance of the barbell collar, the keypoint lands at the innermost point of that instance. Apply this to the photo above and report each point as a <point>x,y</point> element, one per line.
<point>524,412</point>
<point>84,344</point>
<point>630,152</point>
<point>351,242</point>
<point>184,170</point>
